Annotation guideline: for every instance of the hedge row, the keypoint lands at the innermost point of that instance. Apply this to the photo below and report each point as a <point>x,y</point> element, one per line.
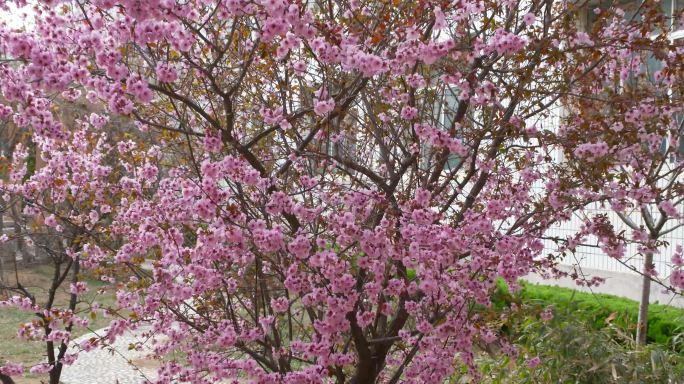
<point>665,323</point>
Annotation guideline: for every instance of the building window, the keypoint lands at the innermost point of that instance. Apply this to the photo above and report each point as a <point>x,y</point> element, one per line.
<point>450,102</point>
<point>672,10</point>
<point>443,115</point>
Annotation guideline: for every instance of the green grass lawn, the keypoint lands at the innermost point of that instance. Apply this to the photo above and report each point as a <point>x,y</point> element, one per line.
<point>37,279</point>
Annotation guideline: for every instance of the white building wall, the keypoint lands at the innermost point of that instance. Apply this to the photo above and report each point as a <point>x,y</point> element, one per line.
<point>621,276</point>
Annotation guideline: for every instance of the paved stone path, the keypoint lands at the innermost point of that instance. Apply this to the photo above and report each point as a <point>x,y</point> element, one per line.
<point>115,364</point>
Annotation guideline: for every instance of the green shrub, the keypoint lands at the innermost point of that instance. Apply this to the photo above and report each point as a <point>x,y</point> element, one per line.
<point>665,323</point>
<point>571,350</point>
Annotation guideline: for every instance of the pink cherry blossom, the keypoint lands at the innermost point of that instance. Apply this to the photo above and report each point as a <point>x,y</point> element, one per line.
<point>296,194</point>
<point>529,18</point>
<point>323,107</point>
<point>166,73</point>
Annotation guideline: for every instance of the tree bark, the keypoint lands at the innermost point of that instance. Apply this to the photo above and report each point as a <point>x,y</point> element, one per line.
<point>18,233</point>
<point>642,325</point>
<point>6,379</point>
<point>3,252</point>
<point>55,373</point>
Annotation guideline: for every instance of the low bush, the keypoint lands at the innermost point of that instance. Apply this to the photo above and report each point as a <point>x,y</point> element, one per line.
<point>665,323</point>
<point>568,348</point>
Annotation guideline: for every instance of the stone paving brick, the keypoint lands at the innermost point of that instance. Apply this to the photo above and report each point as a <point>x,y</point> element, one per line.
<point>111,365</point>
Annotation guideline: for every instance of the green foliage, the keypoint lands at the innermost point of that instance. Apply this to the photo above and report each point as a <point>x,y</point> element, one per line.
<point>572,350</point>
<point>30,160</point>
<point>665,323</point>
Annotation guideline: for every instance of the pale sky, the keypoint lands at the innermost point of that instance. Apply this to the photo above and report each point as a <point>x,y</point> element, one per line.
<point>17,18</point>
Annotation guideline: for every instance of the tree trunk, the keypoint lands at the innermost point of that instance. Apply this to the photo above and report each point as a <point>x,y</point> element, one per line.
<point>3,251</point>
<point>26,258</point>
<point>6,379</point>
<point>642,326</point>
<point>55,373</point>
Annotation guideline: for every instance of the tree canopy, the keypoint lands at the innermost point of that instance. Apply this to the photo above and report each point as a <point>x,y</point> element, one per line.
<point>326,191</point>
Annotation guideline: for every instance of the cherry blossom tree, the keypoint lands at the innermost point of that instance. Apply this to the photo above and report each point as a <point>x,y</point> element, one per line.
<point>631,158</point>
<point>315,191</point>
<point>61,234</point>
